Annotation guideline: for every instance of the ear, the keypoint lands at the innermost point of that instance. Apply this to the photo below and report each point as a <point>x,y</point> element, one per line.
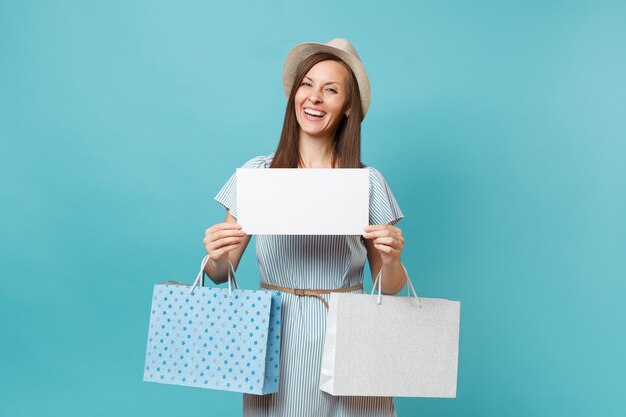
<point>347,112</point>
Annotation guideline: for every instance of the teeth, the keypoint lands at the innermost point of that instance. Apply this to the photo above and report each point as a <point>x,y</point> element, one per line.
<point>314,112</point>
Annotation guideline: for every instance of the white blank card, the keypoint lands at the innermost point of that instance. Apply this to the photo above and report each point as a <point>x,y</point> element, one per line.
<point>303,201</point>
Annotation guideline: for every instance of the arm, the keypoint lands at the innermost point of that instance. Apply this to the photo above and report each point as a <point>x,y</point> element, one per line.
<point>224,241</point>
<point>384,245</point>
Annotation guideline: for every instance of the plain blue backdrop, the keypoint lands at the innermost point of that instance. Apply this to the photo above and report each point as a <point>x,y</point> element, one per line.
<point>500,126</point>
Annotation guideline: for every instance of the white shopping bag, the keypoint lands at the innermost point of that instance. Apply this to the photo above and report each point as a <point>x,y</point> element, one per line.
<point>391,346</point>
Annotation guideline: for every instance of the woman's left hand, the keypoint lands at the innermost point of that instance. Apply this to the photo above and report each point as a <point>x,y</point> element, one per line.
<point>387,239</point>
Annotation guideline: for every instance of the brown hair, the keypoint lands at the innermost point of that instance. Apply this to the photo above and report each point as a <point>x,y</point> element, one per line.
<point>347,150</point>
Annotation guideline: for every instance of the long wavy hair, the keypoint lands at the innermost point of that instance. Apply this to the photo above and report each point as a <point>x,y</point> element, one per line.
<point>347,144</point>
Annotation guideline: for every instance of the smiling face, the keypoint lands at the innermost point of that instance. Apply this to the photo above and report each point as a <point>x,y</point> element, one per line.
<point>321,101</point>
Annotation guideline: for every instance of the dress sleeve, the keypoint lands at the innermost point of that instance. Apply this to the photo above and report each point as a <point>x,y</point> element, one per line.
<point>227,196</point>
<point>383,206</point>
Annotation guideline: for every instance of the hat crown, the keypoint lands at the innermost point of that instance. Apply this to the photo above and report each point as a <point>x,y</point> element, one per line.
<point>344,45</point>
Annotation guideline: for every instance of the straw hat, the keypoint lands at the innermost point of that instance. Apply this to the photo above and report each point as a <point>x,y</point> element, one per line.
<point>339,47</point>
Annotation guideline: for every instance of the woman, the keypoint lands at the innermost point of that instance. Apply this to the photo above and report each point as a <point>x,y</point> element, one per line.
<point>328,97</point>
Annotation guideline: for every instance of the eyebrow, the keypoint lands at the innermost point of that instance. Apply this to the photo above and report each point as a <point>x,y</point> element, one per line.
<point>330,82</point>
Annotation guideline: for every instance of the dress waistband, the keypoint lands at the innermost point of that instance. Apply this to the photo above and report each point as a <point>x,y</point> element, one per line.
<point>311,293</point>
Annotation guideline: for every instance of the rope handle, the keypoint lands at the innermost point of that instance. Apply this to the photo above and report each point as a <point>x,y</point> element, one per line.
<point>409,286</point>
<point>200,276</point>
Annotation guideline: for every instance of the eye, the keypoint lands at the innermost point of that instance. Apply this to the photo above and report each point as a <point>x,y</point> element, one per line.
<point>305,84</point>
<point>332,90</point>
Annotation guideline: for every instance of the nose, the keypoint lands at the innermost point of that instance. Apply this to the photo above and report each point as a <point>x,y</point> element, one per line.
<point>314,97</point>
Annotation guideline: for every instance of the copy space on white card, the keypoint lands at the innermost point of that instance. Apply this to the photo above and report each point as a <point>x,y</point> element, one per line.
<point>303,201</point>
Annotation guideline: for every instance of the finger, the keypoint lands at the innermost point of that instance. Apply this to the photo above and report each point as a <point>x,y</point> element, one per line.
<point>388,241</point>
<point>223,226</point>
<point>387,250</point>
<point>381,233</point>
<point>375,227</point>
<point>376,233</point>
<point>394,240</point>
<point>214,239</point>
<point>226,241</point>
<point>212,246</point>
<point>225,234</point>
<point>224,250</point>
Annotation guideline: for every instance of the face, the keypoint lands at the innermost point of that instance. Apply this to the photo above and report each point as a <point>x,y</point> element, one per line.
<point>321,101</point>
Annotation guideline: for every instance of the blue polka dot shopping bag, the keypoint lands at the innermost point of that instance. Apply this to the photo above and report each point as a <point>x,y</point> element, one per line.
<point>219,338</point>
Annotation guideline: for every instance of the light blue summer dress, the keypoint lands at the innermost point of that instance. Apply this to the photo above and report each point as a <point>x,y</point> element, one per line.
<point>311,262</point>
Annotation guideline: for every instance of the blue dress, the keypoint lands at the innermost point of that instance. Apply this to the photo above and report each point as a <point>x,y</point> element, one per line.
<point>311,262</point>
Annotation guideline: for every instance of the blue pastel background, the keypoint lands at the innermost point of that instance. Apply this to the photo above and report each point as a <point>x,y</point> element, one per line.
<point>500,126</point>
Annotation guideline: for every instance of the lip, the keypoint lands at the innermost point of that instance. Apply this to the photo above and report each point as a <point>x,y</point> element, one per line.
<point>313,118</point>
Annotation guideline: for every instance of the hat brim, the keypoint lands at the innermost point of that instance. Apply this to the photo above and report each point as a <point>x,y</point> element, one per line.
<point>304,50</point>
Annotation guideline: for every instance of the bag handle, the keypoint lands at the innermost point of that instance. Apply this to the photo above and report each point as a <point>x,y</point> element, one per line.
<point>200,276</point>
<point>409,285</point>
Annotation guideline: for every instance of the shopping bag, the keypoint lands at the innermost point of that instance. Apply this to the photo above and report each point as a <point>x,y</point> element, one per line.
<point>378,345</point>
<point>219,338</point>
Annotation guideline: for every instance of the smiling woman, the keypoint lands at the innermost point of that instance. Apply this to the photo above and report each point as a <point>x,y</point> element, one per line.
<point>324,87</point>
<point>327,93</point>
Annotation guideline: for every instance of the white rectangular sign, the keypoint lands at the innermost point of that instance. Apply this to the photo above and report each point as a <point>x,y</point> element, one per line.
<point>303,201</point>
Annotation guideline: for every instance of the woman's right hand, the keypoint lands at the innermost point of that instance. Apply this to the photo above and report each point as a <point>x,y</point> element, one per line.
<point>222,238</point>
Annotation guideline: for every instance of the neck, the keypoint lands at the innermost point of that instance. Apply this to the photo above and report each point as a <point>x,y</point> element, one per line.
<point>316,152</point>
